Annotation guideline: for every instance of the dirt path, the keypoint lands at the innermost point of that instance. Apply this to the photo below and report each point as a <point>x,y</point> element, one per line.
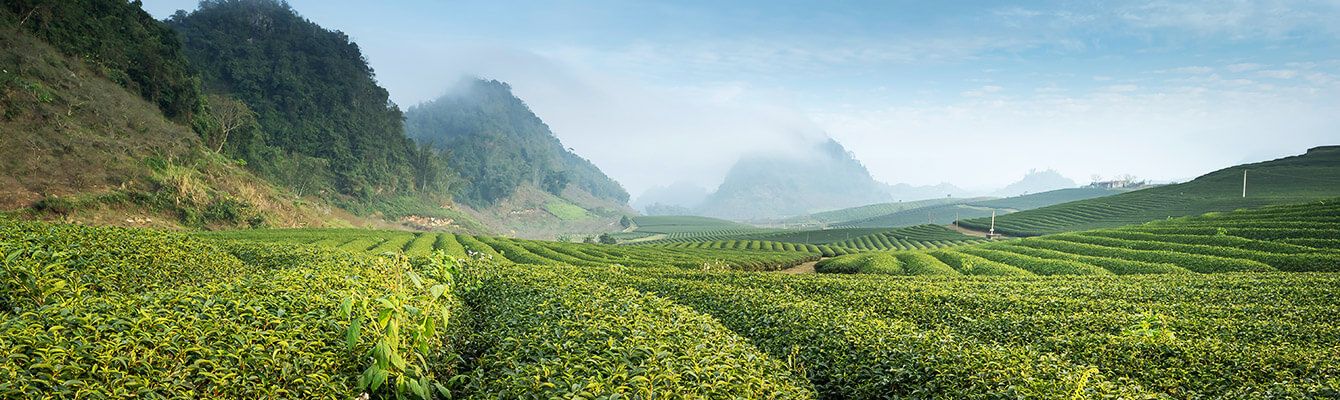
<point>806,268</point>
<point>971,232</point>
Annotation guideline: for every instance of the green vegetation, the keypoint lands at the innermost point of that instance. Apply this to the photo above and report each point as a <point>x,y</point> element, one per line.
<point>1039,200</point>
<point>1274,238</point>
<point>498,144</point>
<point>834,241</point>
<point>118,41</point>
<point>88,312</point>
<point>1109,313</point>
<point>1306,177</point>
<point>75,146</point>
<point>324,125</point>
<point>566,211</point>
<point>868,211</point>
<point>744,256</point>
<point>868,336</point>
<point>555,335</point>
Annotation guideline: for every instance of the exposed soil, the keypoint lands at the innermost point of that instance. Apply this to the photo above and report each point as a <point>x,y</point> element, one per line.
<point>806,268</point>
<point>973,233</point>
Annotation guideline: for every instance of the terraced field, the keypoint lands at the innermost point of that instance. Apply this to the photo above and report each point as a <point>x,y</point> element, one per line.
<point>1294,238</point>
<point>839,217</point>
<point>745,256</point>
<point>1307,177</point>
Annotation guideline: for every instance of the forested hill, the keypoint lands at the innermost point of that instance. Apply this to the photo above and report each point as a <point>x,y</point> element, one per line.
<point>497,144</point>
<point>323,123</point>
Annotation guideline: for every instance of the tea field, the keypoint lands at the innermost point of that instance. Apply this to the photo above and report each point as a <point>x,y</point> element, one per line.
<point>1311,176</point>
<point>1236,305</point>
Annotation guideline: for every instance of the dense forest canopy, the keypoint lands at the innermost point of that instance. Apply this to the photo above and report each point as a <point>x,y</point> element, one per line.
<point>121,41</point>
<point>498,144</point>
<point>324,123</point>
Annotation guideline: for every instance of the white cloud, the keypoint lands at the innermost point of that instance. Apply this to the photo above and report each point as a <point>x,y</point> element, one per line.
<point>982,91</point>
<point>1174,133</point>
<point>1236,19</point>
<point>1244,67</point>
<point>1187,70</point>
<point>1278,73</point>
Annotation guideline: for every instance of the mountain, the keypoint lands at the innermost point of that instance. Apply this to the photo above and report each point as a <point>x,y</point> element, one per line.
<point>1314,175</point>
<point>771,186</point>
<point>498,145</point>
<point>1036,182</point>
<point>322,125</point>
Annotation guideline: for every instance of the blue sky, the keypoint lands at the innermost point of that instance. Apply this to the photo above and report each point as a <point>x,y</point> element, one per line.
<point>971,93</point>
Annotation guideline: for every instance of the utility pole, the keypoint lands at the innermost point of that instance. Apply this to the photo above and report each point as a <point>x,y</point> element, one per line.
<point>1244,183</point>
<point>992,232</point>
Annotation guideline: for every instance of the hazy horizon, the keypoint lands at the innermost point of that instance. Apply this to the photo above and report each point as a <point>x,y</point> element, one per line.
<point>921,93</point>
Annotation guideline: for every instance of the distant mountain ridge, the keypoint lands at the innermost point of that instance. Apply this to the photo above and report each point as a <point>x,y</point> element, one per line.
<point>1036,182</point>
<point>771,186</point>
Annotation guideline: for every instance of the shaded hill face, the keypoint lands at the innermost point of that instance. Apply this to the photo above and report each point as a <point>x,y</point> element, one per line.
<point>497,144</point>
<point>764,186</point>
<point>1314,175</point>
<point>77,147</point>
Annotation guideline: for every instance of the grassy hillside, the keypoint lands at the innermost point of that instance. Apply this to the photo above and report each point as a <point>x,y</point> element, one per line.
<point>75,146</point>
<point>1303,237</point>
<point>1310,176</point>
<point>1039,200</point>
<point>946,212</point>
<point>867,211</point>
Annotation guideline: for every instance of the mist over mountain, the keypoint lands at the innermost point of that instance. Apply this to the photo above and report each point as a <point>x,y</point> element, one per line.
<point>906,192</point>
<point>772,185</point>
<point>1036,182</point>
<point>685,195</point>
<point>497,144</point>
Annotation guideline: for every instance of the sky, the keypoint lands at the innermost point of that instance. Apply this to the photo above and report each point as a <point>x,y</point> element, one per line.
<point>922,92</point>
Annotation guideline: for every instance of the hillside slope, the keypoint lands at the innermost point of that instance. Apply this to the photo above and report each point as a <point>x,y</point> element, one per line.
<point>1311,176</point>
<point>324,125</point>
<point>77,147</point>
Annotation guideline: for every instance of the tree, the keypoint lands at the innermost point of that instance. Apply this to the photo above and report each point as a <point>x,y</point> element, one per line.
<point>606,238</point>
<point>589,239</point>
<point>231,115</point>
<point>626,222</point>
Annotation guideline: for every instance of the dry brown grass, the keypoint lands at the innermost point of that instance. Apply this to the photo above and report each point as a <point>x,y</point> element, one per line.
<point>68,133</point>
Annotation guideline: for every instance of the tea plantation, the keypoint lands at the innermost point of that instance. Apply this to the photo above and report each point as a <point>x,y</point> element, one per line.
<point>1237,305</point>
<point>1307,177</point>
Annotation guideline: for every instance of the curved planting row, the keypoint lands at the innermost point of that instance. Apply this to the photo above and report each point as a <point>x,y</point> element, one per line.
<point>848,350</point>
<point>1293,238</point>
<point>1253,335</point>
<point>550,335</point>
